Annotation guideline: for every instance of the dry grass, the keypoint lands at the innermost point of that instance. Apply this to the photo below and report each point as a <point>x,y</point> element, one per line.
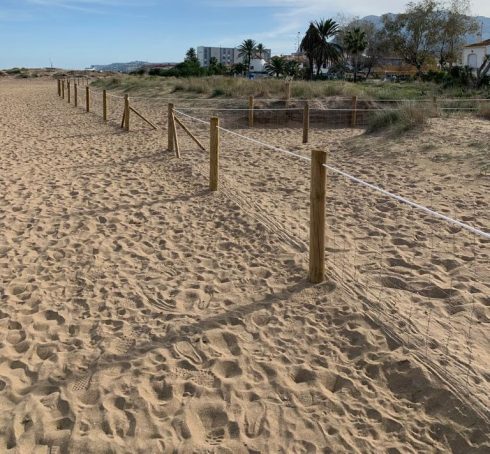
<point>404,119</point>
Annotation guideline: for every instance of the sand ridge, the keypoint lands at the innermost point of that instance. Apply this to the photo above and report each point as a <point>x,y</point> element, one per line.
<point>140,312</point>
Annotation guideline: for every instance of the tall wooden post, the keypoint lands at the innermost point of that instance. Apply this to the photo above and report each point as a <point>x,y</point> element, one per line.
<point>59,87</point>
<point>170,128</point>
<point>306,122</point>
<point>104,105</point>
<point>434,104</point>
<point>126,112</point>
<point>87,99</point>
<point>63,88</point>
<point>288,93</point>
<point>354,112</point>
<point>75,94</point>
<point>250,111</point>
<point>317,216</point>
<point>214,154</point>
<point>68,86</point>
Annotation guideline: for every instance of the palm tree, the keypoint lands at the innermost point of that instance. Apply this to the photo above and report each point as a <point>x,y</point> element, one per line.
<point>355,44</point>
<point>276,67</point>
<point>327,52</point>
<point>292,69</point>
<point>309,45</point>
<point>260,50</point>
<point>247,50</point>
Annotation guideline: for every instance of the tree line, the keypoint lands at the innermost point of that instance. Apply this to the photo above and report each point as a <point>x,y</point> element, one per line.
<point>429,33</point>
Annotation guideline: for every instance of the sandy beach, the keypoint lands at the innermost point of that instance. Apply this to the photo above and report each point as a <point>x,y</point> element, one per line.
<point>142,313</point>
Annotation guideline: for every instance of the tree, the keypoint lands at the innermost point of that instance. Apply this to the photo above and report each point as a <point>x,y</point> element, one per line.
<point>292,69</point>
<point>259,50</point>
<point>276,67</point>
<point>483,71</point>
<point>239,68</point>
<point>455,25</point>
<point>355,44</point>
<point>247,50</point>
<point>327,51</point>
<point>191,56</point>
<point>414,34</point>
<point>309,45</point>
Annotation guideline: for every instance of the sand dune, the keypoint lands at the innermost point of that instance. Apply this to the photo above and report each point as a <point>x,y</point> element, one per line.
<point>142,313</point>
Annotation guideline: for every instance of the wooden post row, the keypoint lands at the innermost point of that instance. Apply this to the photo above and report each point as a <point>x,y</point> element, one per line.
<point>250,111</point>
<point>87,99</point>
<point>214,147</point>
<point>75,94</point>
<point>354,112</point>
<point>306,122</point>
<point>317,216</point>
<point>104,105</point>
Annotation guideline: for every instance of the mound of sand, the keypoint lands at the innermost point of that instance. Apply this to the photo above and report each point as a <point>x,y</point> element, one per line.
<point>140,312</point>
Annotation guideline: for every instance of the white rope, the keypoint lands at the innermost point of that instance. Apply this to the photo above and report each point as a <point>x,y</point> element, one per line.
<point>412,204</point>
<point>266,145</point>
<point>191,117</point>
<point>213,109</point>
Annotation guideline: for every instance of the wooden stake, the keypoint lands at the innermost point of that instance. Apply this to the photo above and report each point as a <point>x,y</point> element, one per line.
<point>170,117</point>
<point>174,135</point>
<point>123,118</point>
<point>434,103</point>
<point>250,111</point>
<point>126,112</point>
<point>214,154</point>
<point>59,87</point>
<point>104,105</point>
<point>87,99</point>
<point>63,89</point>
<point>199,144</point>
<point>142,117</point>
<point>306,122</point>
<point>354,112</point>
<point>75,94</point>
<point>317,216</point>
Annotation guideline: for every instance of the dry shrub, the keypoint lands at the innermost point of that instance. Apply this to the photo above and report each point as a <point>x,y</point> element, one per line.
<point>403,119</point>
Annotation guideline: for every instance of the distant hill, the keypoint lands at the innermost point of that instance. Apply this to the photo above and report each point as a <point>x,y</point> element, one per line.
<point>376,20</point>
<point>127,67</point>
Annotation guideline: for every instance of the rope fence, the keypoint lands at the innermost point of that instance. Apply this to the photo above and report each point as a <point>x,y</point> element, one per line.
<point>422,274</point>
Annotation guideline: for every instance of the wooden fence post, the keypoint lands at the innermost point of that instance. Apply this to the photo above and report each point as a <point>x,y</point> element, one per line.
<point>126,112</point>
<point>170,128</point>
<point>306,122</point>
<point>68,86</point>
<point>250,111</point>
<point>354,112</point>
<point>63,88</point>
<point>434,104</point>
<point>59,87</point>
<point>87,99</point>
<point>214,154</point>
<point>317,216</point>
<point>75,94</point>
<point>104,105</point>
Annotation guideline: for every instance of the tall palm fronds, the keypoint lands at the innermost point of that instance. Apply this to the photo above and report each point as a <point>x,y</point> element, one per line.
<point>247,50</point>
<point>355,44</point>
<point>309,45</point>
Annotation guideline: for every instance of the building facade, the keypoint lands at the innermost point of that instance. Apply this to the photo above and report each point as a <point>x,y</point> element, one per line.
<point>226,55</point>
<point>475,54</point>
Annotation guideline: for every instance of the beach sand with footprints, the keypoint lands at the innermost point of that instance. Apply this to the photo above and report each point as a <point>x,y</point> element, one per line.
<point>142,313</point>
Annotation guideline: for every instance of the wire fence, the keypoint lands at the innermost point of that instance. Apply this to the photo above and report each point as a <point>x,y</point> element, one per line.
<point>422,275</point>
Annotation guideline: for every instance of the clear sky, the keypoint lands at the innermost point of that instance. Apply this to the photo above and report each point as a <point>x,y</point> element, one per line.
<point>79,33</point>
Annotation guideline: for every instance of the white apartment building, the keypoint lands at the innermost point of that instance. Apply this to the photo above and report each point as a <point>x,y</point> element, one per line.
<point>225,55</point>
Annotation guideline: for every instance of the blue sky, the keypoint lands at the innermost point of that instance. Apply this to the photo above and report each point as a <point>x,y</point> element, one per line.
<point>79,33</point>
